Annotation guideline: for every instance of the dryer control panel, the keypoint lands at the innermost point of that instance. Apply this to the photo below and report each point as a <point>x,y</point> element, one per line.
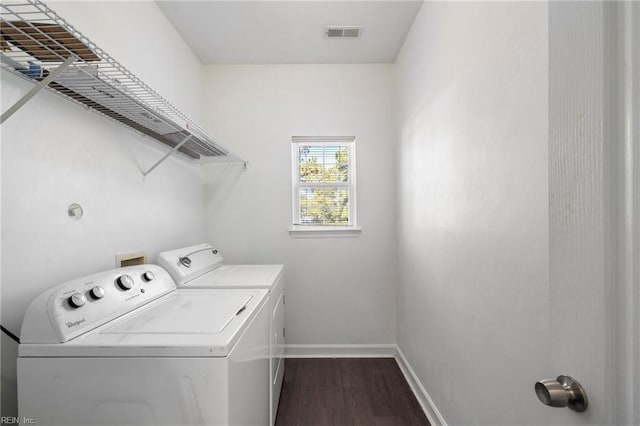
<point>188,263</point>
<point>77,306</point>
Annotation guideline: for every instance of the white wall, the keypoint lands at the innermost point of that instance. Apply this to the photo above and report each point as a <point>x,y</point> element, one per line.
<point>473,208</point>
<point>55,153</point>
<point>339,290</point>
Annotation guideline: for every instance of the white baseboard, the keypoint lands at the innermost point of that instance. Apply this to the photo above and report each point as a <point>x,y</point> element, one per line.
<point>429,408</point>
<point>340,351</point>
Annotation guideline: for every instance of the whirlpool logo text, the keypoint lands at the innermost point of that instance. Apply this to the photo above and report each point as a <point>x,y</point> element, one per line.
<point>74,323</point>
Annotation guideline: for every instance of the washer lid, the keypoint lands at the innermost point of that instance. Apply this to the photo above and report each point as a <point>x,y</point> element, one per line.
<point>185,313</point>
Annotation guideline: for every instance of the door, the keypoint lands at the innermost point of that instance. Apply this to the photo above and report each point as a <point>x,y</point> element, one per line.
<point>594,118</point>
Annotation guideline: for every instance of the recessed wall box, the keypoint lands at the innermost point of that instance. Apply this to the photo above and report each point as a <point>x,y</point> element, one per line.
<point>131,259</point>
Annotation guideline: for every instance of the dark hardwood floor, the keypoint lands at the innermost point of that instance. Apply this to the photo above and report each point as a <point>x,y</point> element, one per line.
<point>347,391</point>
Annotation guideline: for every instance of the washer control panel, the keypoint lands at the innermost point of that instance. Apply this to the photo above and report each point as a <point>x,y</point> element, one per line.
<point>80,305</point>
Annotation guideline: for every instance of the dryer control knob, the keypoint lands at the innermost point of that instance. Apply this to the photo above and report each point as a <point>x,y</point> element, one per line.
<point>97,292</point>
<point>148,276</point>
<point>125,282</point>
<point>77,300</point>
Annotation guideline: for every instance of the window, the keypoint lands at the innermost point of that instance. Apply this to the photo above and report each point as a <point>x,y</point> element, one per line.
<point>324,190</point>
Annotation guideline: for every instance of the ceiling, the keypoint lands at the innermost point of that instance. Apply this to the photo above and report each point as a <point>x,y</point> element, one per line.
<point>291,32</point>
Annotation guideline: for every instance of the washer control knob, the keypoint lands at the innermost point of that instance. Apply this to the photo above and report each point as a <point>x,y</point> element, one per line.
<point>77,300</point>
<point>148,276</point>
<point>97,292</point>
<point>125,282</point>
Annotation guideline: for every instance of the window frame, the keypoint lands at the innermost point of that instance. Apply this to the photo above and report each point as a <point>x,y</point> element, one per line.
<point>323,230</point>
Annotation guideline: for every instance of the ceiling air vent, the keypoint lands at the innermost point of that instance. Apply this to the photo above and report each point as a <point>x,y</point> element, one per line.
<point>342,32</point>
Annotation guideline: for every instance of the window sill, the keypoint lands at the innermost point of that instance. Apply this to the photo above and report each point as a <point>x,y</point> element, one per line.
<point>298,231</point>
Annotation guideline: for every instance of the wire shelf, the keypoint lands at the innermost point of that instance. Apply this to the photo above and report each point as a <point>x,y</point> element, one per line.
<point>35,41</point>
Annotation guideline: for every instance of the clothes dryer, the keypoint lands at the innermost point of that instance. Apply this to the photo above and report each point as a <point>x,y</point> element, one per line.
<point>201,266</point>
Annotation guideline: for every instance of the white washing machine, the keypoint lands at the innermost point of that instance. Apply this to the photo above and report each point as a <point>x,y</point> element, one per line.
<point>125,347</point>
<point>201,266</point>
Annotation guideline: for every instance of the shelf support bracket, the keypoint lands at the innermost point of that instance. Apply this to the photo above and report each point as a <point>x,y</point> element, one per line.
<point>35,89</point>
<point>175,148</point>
